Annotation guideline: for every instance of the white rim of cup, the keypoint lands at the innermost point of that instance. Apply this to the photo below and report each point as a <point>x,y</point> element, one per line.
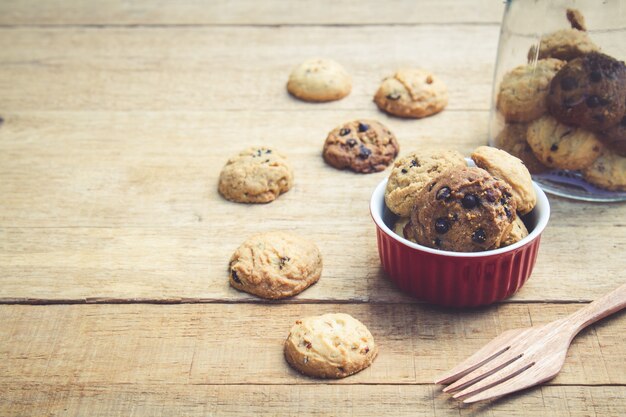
<point>377,203</point>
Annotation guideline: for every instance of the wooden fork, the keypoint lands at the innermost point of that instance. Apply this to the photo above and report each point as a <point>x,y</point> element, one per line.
<point>521,358</point>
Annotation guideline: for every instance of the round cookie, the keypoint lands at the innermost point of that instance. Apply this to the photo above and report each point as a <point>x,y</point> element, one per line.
<point>330,346</point>
<point>411,173</point>
<point>518,232</point>
<point>275,265</point>
<point>608,172</point>
<point>361,145</point>
<point>559,146</point>
<point>256,175</point>
<point>523,90</point>
<point>319,80</point>
<point>463,210</point>
<point>510,169</point>
<point>615,137</point>
<point>589,92</point>
<point>512,139</point>
<point>564,44</point>
<point>413,93</point>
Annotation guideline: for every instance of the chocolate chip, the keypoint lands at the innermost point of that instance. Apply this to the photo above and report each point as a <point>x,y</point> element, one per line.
<point>595,76</point>
<point>268,151</point>
<point>455,217</point>
<point>258,152</point>
<point>233,274</point>
<point>507,212</point>
<point>554,147</point>
<point>340,369</point>
<point>267,160</point>
<point>308,344</point>
<point>351,142</point>
<point>404,171</point>
<point>568,83</point>
<point>441,225</point>
<point>364,152</point>
<point>469,201</point>
<point>479,236</point>
<point>491,197</point>
<point>363,127</point>
<point>365,350</point>
<point>437,242</point>
<point>1,120</point>
<point>592,101</point>
<point>344,132</point>
<point>393,96</point>
<point>283,261</point>
<point>414,163</point>
<point>443,193</point>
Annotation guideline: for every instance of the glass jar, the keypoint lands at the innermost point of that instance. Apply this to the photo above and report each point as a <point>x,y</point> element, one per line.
<point>556,100</point>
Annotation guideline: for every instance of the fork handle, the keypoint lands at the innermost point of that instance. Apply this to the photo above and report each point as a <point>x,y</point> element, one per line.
<point>602,307</point>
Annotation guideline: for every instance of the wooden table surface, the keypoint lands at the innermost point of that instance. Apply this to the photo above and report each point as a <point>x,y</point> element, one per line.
<point>114,243</point>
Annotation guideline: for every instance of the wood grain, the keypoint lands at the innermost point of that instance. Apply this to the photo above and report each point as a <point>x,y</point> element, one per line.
<point>312,400</point>
<point>246,12</point>
<point>228,68</point>
<point>242,343</point>
<point>124,206</point>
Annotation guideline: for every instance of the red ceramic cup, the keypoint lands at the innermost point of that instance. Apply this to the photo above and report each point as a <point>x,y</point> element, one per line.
<point>457,279</point>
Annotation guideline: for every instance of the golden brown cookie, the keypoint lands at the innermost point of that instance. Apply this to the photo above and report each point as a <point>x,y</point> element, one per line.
<point>275,265</point>
<point>608,172</point>
<point>512,139</point>
<point>518,232</point>
<point>512,170</point>
<point>565,44</point>
<point>412,172</point>
<point>320,80</point>
<point>523,90</point>
<point>361,145</point>
<point>560,146</point>
<point>330,346</point>
<point>256,175</point>
<point>589,92</point>
<point>412,93</point>
<point>463,210</point>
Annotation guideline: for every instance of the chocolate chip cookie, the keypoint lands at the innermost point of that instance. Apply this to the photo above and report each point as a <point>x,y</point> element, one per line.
<point>413,93</point>
<point>256,175</point>
<point>523,90</point>
<point>319,80</point>
<point>589,92</point>
<point>608,172</point>
<point>363,146</point>
<point>510,169</point>
<point>275,265</point>
<point>565,44</point>
<point>411,173</point>
<point>560,146</point>
<point>463,210</point>
<point>615,137</point>
<point>512,139</point>
<point>330,346</point>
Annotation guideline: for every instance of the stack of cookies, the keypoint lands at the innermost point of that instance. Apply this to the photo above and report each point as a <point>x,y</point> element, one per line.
<point>566,109</point>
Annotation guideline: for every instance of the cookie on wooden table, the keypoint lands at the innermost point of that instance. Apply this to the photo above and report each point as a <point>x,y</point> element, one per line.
<point>512,170</point>
<point>275,265</point>
<point>512,139</point>
<point>589,92</point>
<point>361,145</point>
<point>413,93</point>
<point>608,172</point>
<point>564,44</point>
<point>412,172</point>
<point>560,146</point>
<point>523,91</point>
<point>332,345</point>
<point>518,232</point>
<point>256,175</point>
<point>319,79</point>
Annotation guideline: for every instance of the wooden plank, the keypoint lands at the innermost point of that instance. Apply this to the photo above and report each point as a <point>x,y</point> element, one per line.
<point>311,400</point>
<point>242,343</point>
<point>246,12</point>
<point>100,205</point>
<point>228,68</point>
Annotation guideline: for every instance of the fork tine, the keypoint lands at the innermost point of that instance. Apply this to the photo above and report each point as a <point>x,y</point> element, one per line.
<point>511,385</point>
<point>492,381</point>
<point>490,351</point>
<point>483,372</point>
